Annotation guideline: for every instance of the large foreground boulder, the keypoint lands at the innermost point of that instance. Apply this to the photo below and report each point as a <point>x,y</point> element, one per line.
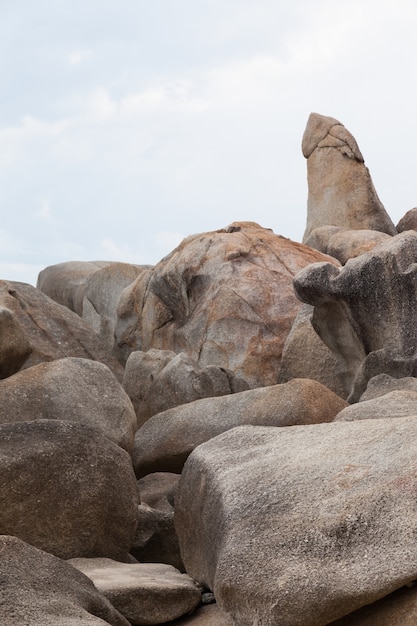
<point>74,390</point>
<point>340,188</point>
<point>300,526</point>
<point>225,298</point>
<point>164,442</point>
<point>42,590</point>
<point>67,489</point>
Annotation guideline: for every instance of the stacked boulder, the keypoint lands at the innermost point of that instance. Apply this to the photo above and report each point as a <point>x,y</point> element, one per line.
<point>223,439</point>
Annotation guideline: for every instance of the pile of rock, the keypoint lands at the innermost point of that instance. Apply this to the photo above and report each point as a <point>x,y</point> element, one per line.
<point>225,438</point>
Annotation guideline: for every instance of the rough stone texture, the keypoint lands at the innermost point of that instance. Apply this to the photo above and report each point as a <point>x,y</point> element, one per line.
<point>301,526</point>
<point>145,593</point>
<point>14,344</point>
<point>365,312</point>
<point>306,356</point>
<point>408,221</point>
<point>65,282</point>
<point>101,297</point>
<point>52,330</point>
<point>225,298</point>
<point>70,389</point>
<point>210,615</point>
<point>158,490</point>
<point>67,489</point>
<point>156,540</point>
<point>164,442</point>
<point>344,244</point>
<point>340,189</point>
<point>397,609</point>
<point>399,403</point>
<point>383,383</point>
<point>42,590</point>
<point>158,380</point>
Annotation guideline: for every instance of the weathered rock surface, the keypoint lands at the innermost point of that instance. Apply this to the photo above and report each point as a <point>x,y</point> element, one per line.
<point>408,221</point>
<point>399,403</point>
<point>164,442</point>
<point>225,298</point>
<point>67,489</point>
<point>70,389</point>
<point>306,356</point>
<point>158,380</point>
<point>344,244</point>
<point>156,540</point>
<point>101,297</point>
<point>14,344</point>
<point>383,384</point>
<point>158,490</point>
<point>65,282</point>
<point>42,590</point>
<point>301,526</point>
<point>397,609</point>
<point>340,188</point>
<point>210,615</point>
<point>52,330</point>
<point>365,312</point>
<point>145,593</point>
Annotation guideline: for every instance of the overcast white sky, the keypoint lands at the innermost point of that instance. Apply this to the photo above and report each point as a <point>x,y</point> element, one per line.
<point>128,125</point>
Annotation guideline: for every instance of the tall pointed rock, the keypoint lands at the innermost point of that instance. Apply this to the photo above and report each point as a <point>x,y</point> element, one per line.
<point>340,188</point>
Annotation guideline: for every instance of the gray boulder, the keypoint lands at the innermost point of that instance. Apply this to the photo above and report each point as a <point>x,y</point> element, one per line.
<point>70,389</point>
<point>65,282</point>
<point>42,590</point>
<point>365,312</point>
<point>164,442</point>
<point>145,593</point>
<point>408,221</point>
<point>14,344</point>
<point>398,403</point>
<point>383,384</point>
<point>344,244</point>
<point>301,526</point>
<point>67,489</point>
<point>158,380</point>
<point>52,330</point>
<point>305,355</point>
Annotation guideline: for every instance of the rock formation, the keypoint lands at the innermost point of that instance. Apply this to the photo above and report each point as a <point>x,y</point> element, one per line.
<point>225,298</point>
<point>340,188</point>
<point>181,433</point>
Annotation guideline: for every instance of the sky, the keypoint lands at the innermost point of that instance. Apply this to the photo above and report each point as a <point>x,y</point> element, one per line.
<point>126,126</point>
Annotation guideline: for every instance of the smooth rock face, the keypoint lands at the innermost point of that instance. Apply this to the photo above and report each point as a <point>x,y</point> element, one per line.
<point>397,609</point>
<point>225,298</point>
<point>14,345</point>
<point>399,403</point>
<point>344,244</point>
<point>101,297</point>
<point>158,380</point>
<point>383,384</point>
<point>408,221</point>
<point>164,442</point>
<point>340,189</point>
<point>65,282</point>
<point>70,389</point>
<point>301,526</point>
<point>42,590</point>
<point>210,615</point>
<point>67,489</point>
<point>365,312</point>
<point>52,330</point>
<point>145,593</point>
<point>306,356</point>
